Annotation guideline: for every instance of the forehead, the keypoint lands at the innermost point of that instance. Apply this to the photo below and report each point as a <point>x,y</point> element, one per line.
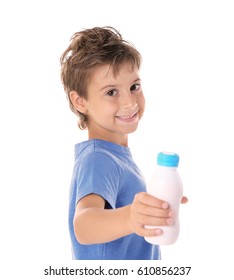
<point>105,72</point>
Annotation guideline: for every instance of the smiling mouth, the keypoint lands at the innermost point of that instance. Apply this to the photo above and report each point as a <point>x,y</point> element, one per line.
<point>127,117</point>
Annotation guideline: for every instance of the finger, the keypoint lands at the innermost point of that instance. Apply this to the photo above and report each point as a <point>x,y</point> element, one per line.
<point>154,221</point>
<point>184,200</point>
<point>151,200</point>
<point>142,231</point>
<point>148,210</point>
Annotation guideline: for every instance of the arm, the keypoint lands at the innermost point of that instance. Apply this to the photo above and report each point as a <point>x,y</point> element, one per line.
<point>94,224</point>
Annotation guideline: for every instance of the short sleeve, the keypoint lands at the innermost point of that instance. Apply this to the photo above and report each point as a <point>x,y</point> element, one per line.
<point>98,174</point>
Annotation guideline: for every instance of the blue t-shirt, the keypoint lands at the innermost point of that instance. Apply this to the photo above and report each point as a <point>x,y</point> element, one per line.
<point>108,170</point>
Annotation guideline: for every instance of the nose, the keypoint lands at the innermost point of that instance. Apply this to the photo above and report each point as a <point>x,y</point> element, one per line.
<point>128,100</point>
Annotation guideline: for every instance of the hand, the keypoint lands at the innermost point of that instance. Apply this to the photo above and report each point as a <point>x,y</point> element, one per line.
<point>149,210</point>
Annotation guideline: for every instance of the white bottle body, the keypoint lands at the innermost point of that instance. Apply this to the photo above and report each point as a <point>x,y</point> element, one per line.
<point>166,184</point>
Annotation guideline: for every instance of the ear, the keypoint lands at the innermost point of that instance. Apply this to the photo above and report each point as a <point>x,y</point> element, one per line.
<point>78,102</point>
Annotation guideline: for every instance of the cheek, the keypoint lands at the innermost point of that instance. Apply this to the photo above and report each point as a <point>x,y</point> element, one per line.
<point>141,101</point>
<point>104,112</point>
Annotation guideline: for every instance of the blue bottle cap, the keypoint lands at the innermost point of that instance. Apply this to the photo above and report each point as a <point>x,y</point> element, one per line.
<point>168,159</point>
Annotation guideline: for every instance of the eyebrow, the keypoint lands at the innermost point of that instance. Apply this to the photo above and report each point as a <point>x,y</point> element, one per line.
<point>113,86</point>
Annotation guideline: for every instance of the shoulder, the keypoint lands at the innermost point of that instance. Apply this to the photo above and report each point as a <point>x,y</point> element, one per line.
<point>91,154</point>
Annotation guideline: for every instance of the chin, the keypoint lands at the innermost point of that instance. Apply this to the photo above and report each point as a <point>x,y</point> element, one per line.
<point>130,130</point>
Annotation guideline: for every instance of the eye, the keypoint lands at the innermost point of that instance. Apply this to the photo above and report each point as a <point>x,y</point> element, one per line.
<point>111,93</point>
<point>135,87</point>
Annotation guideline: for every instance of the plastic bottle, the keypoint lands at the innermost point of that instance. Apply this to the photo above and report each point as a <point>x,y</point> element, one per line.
<point>166,184</point>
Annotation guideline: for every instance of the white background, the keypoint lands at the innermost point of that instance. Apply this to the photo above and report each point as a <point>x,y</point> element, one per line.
<point>188,82</point>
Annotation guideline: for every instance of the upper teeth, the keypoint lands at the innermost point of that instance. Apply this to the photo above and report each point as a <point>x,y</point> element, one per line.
<point>126,117</point>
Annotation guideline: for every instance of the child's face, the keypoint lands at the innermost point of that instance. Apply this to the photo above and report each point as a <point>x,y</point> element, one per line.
<point>115,104</point>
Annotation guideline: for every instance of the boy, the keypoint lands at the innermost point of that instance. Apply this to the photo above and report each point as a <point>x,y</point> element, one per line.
<point>109,205</point>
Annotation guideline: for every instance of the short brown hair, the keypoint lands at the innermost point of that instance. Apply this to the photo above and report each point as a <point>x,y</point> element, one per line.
<point>89,49</point>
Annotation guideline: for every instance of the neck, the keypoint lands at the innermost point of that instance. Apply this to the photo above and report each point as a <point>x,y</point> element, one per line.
<point>117,139</point>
